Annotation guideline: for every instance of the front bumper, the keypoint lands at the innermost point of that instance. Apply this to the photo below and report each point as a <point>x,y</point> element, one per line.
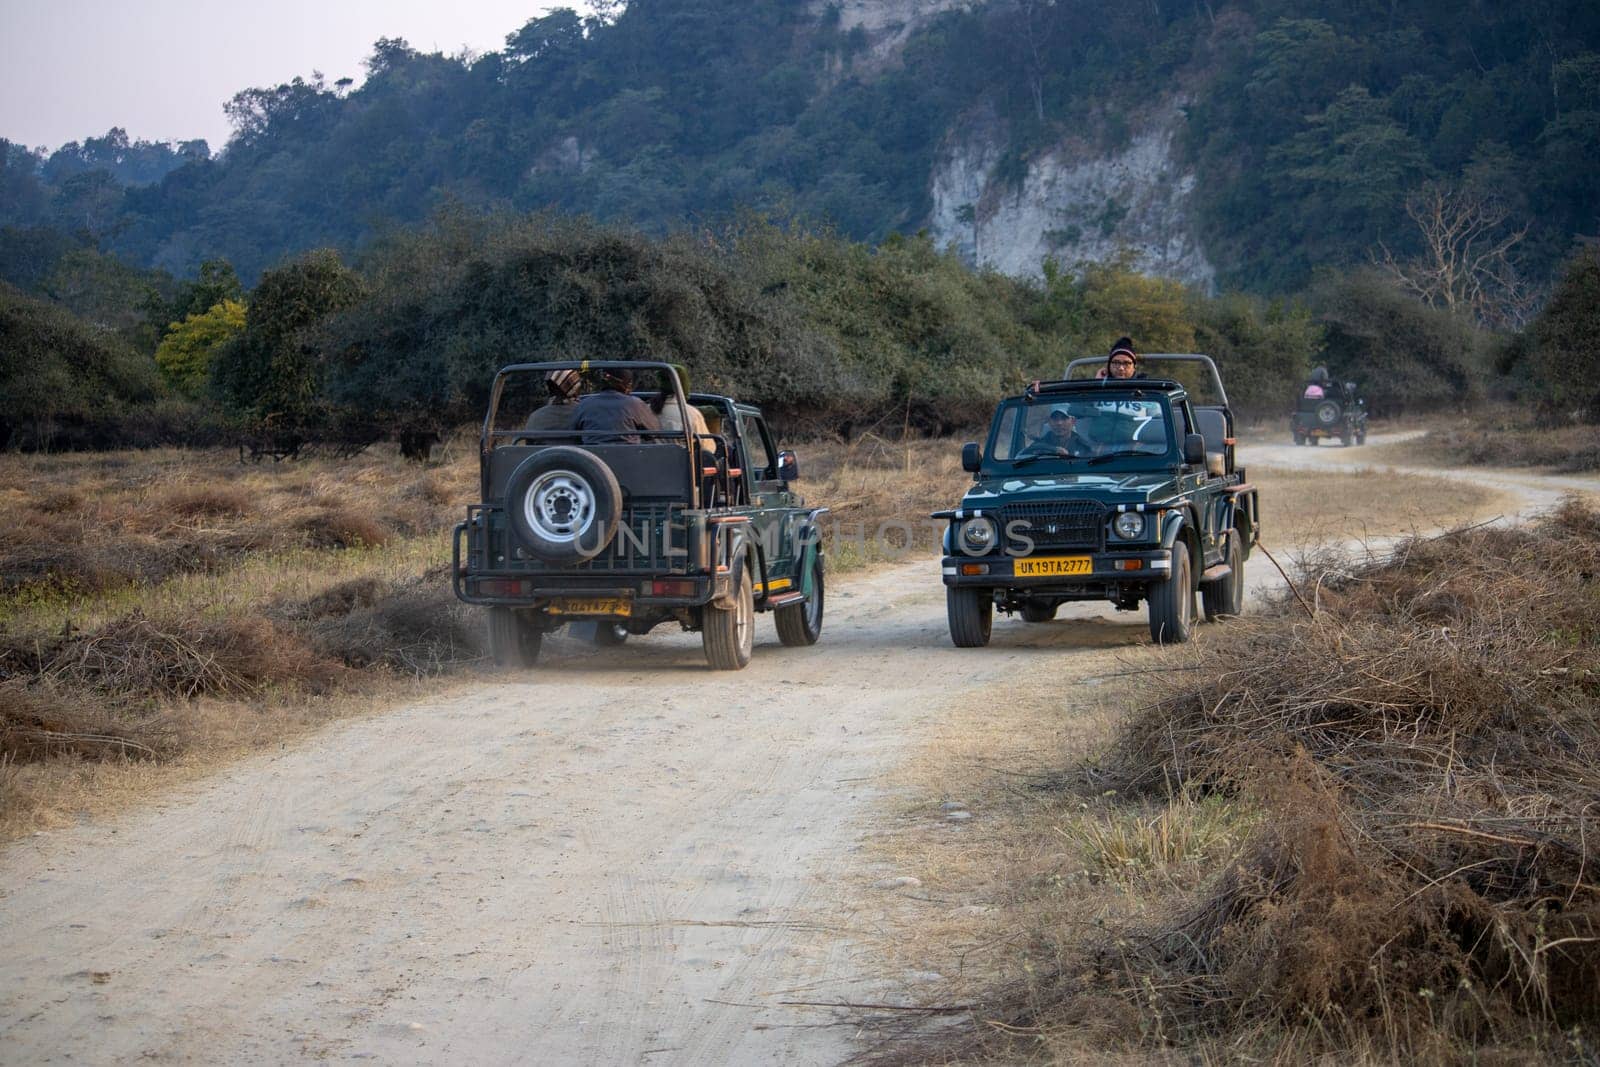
<point>1105,568</point>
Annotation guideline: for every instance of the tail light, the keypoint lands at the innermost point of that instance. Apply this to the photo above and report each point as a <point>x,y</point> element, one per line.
<point>504,587</point>
<point>671,587</point>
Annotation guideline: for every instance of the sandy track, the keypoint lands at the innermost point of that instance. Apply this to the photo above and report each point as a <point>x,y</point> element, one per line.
<point>618,859</point>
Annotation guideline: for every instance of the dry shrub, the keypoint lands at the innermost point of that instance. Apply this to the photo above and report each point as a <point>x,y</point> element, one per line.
<point>1426,755</point>
<point>337,527</point>
<point>339,599</point>
<point>59,501</point>
<point>1509,444</point>
<point>414,627</point>
<point>207,501</point>
<point>138,658</point>
<point>36,724</point>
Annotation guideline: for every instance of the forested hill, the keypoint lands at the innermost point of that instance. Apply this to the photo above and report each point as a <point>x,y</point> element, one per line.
<point>1304,128</point>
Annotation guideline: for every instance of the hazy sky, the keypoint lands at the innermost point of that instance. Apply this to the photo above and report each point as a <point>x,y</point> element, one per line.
<point>162,69</point>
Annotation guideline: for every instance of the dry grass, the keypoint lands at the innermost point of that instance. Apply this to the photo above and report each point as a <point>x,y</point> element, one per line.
<point>162,609</point>
<point>1504,440</point>
<point>1363,838</point>
<point>881,494</point>
<point>1307,508</point>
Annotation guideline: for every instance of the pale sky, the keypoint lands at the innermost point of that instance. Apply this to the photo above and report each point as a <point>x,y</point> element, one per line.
<point>162,69</point>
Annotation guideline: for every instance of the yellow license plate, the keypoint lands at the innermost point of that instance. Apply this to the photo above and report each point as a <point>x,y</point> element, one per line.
<point>1051,566</point>
<point>597,605</point>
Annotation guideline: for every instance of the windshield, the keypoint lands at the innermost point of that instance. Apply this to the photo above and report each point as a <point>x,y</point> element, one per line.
<point>1059,434</point>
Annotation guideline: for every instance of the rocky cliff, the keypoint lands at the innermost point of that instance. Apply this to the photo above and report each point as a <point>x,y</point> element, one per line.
<point>1070,202</point>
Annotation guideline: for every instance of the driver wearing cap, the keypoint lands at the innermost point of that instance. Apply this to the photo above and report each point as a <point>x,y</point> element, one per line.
<point>1061,436</point>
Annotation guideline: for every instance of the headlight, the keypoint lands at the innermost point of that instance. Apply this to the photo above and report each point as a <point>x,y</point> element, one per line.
<point>977,535</point>
<point>1129,525</point>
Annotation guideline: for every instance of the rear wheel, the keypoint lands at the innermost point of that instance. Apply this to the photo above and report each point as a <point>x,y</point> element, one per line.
<point>513,641</point>
<point>1036,612</point>
<point>1361,437</point>
<point>728,634</point>
<point>801,624</point>
<point>1299,438</point>
<point>971,615</point>
<point>1224,598</point>
<point>1347,437</point>
<point>1172,602</point>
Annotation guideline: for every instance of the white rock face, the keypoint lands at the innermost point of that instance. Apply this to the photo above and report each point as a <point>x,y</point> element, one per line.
<point>887,23</point>
<point>1071,203</point>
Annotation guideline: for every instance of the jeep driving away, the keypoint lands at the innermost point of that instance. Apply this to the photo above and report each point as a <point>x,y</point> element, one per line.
<point>1103,489</point>
<point>589,516</point>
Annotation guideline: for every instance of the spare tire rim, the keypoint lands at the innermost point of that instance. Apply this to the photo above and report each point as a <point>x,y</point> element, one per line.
<point>559,506</point>
<point>1328,412</point>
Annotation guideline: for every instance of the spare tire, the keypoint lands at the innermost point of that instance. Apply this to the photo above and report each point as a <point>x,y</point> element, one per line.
<point>564,504</point>
<point>1328,412</point>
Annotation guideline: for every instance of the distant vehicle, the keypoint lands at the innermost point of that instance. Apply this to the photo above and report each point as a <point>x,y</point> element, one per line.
<point>1101,489</point>
<point>701,530</point>
<point>1339,412</point>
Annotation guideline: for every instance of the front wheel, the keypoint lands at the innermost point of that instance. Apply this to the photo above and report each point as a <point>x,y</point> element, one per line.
<point>971,615</point>
<point>801,624</point>
<point>513,641</point>
<point>1224,598</point>
<point>728,634</point>
<point>1172,602</point>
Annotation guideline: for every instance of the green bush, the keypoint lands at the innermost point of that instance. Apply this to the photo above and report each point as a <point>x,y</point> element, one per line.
<point>1405,355</point>
<point>1562,347</point>
<point>58,376</point>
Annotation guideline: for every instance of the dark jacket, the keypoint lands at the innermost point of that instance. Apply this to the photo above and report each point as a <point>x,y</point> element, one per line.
<point>556,415</point>
<point>608,414</point>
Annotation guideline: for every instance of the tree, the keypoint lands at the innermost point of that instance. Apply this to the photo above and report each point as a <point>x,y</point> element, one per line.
<point>274,367</point>
<point>186,352</point>
<point>1564,342</point>
<point>1465,265</point>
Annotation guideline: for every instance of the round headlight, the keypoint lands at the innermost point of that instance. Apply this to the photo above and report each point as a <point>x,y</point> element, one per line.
<point>1129,525</point>
<point>977,535</point>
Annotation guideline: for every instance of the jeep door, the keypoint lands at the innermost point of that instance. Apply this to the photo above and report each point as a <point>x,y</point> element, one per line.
<point>771,503</point>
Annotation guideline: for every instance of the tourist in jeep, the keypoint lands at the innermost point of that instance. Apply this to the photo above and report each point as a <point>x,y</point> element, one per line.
<point>612,415</point>
<point>1123,362</point>
<point>558,412</point>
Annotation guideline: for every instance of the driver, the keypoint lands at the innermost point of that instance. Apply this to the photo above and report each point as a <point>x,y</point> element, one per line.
<point>1061,436</point>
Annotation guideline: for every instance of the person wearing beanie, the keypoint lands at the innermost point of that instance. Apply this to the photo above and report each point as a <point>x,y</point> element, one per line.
<point>1123,362</point>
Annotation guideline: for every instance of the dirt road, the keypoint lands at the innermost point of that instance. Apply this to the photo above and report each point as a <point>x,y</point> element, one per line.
<point>618,859</point>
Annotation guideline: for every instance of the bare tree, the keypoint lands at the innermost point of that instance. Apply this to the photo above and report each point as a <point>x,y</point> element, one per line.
<point>1466,263</point>
<point>1029,25</point>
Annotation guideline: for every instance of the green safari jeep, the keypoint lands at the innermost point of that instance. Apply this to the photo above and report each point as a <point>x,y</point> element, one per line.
<point>1103,489</point>
<point>624,531</point>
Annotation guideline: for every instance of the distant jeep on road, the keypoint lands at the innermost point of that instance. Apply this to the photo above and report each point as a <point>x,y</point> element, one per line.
<point>1330,410</point>
<point>1103,489</point>
<point>627,531</point>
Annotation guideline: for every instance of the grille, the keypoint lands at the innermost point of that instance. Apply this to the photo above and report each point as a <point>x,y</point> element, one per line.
<point>1056,525</point>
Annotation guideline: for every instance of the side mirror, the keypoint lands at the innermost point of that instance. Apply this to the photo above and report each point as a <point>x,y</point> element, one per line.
<point>788,466</point>
<point>1349,387</point>
<point>1194,448</point>
<point>971,457</point>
